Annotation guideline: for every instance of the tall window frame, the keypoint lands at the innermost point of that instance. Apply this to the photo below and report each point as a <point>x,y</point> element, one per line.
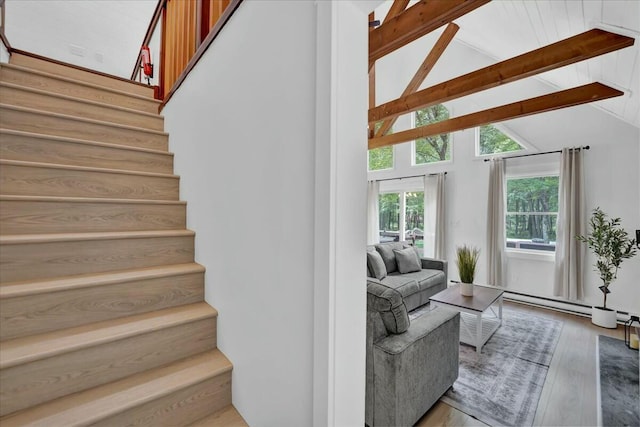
<point>532,190</point>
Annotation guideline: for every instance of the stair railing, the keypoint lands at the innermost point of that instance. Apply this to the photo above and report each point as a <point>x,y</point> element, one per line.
<point>179,33</point>
<point>3,36</point>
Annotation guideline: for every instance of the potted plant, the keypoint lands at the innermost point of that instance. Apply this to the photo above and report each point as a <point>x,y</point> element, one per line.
<point>611,245</point>
<point>466,260</point>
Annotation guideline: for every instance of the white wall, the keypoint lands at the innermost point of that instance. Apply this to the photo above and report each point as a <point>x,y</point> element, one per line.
<point>103,35</point>
<point>267,132</point>
<point>612,173</point>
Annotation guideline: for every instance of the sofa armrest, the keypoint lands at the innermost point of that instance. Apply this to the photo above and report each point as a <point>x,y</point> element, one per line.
<point>434,264</point>
<point>389,303</point>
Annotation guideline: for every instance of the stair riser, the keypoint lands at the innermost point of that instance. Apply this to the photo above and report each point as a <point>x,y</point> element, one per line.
<point>179,408</point>
<point>77,74</point>
<point>45,102</point>
<point>63,87</point>
<point>40,313</point>
<point>43,380</point>
<point>36,217</point>
<point>40,122</point>
<point>32,261</point>
<point>21,180</point>
<point>43,150</point>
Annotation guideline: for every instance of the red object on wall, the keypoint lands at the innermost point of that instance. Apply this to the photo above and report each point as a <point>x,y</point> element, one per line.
<point>147,66</point>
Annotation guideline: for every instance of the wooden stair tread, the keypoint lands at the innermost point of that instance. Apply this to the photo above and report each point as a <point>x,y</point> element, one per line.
<point>104,401</point>
<point>5,197</point>
<point>81,119</point>
<point>83,168</point>
<point>225,417</point>
<point>107,235</point>
<point>80,100</point>
<point>49,65</point>
<point>82,141</point>
<point>35,347</point>
<point>20,289</point>
<point>79,82</point>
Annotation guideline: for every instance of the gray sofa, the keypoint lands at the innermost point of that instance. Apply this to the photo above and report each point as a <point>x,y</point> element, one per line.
<point>426,279</point>
<point>410,364</point>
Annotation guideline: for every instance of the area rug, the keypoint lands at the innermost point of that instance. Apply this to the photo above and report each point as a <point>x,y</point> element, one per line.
<point>618,383</point>
<point>502,385</point>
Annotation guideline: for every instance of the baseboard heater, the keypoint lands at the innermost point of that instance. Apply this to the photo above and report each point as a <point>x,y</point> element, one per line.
<point>555,304</point>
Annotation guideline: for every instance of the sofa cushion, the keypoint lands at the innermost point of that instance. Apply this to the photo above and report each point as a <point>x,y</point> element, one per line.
<point>390,304</point>
<point>426,278</point>
<point>389,258</point>
<point>407,260</point>
<point>375,264</point>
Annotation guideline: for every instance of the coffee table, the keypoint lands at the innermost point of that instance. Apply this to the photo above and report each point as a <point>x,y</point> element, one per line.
<point>476,324</point>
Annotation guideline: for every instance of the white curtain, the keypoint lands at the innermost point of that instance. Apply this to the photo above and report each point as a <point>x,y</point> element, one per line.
<point>434,216</point>
<point>495,224</point>
<point>373,232</point>
<point>568,278</point>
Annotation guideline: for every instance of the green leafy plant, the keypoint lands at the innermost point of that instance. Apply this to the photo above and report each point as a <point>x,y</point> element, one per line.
<point>467,259</point>
<point>611,245</point>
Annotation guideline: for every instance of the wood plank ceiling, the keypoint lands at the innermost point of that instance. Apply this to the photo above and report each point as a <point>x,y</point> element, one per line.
<point>559,49</point>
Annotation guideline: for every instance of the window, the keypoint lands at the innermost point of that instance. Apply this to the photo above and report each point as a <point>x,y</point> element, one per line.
<point>491,141</point>
<point>433,148</point>
<point>392,224</point>
<point>381,158</point>
<point>532,211</point>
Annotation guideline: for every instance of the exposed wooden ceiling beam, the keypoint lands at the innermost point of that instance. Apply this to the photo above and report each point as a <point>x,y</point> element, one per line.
<point>574,49</point>
<point>415,22</point>
<point>554,101</point>
<point>426,66</point>
<point>396,9</point>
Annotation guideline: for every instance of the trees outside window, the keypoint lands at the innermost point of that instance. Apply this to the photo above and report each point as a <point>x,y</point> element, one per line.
<point>433,148</point>
<point>491,141</point>
<point>532,211</point>
<point>381,158</point>
<point>392,223</point>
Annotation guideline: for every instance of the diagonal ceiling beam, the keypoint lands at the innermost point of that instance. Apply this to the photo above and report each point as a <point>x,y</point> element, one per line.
<point>418,20</point>
<point>396,9</point>
<point>554,101</point>
<point>574,49</point>
<point>428,63</point>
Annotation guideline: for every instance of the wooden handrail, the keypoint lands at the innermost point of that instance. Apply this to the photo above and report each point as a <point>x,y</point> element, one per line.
<point>3,36</point>
<point>157,14</point>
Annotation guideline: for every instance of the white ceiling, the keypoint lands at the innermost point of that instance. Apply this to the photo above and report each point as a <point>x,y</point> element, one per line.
<point>503,29</point>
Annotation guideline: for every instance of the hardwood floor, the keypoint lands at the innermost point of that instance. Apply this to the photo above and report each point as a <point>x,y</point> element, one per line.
<point>569,394</point>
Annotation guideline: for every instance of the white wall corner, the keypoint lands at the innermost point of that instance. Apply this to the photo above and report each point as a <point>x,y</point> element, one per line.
<point>340,235</point>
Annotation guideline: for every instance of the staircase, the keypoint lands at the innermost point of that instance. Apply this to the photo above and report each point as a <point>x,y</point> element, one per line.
<point>102,313</point>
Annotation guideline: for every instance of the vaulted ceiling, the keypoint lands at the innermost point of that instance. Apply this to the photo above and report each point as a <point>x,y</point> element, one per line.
<point>503,29</point>
<point>524,31</point>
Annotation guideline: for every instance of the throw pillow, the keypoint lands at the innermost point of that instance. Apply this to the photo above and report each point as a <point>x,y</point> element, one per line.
<point>407,260</point>
<point>376,265</point>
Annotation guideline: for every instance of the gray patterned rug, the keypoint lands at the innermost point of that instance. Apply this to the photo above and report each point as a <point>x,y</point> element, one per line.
<point>619,385</point>
<point>502,385</point>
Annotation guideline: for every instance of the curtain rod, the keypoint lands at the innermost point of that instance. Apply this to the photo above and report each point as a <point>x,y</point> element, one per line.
<point>586,147</point>
<point>407,177</point>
